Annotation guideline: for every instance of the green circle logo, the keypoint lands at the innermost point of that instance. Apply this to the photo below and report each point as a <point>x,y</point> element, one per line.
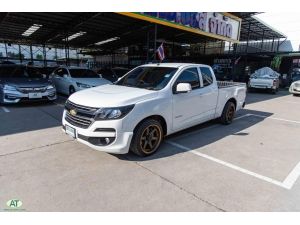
<point>14,203</point>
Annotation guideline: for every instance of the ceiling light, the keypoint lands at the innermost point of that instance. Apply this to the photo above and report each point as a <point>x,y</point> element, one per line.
<point>31,30</point>
<point>106,41</point>
<point>73,36</point>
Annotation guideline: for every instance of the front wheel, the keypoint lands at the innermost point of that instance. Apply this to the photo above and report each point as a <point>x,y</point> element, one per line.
<point>147,138</point>
<point>228,113</point>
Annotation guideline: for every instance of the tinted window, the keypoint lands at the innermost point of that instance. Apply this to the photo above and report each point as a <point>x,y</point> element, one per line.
<point>18,72</point>
<point>60,72</point>
<point>83,73</point>
<point>189,76</point>
<point>152,78</point>
<point>206,76</point>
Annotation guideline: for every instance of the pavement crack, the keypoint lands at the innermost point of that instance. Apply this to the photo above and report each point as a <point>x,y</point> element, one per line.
<point>35,148</point>
<point>181,188</point>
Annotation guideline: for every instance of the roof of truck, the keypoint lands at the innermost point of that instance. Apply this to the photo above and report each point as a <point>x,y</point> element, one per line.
<point>177,65</point>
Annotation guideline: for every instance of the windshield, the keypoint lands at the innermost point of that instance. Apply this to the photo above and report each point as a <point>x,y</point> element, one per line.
<point>83,73</point>
<point>152,78</point>
<point>296,76</point>
<point>18,72</point>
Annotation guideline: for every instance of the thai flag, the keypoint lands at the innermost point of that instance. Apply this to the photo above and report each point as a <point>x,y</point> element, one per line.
<point>161,52</point>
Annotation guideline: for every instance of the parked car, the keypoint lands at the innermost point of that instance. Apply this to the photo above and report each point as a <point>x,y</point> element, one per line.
<point>68,80</point>
<point>264,78</point>
<point>148,103</point>
<point>18,83</point>
<point>295,86</point>
<point>112,74</point>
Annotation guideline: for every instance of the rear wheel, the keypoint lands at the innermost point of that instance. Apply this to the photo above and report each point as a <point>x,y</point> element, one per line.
<point>71,90</point>
<point>228,113</point>
<point>147,137</point>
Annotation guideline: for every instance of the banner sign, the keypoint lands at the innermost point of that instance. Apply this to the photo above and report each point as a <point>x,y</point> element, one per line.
<point>223,26</point>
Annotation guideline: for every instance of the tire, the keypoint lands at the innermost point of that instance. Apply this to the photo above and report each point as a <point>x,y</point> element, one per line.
<point>228,113</point>
<point>71,90</point>
<point>147,137</point>
<point>273,91</point>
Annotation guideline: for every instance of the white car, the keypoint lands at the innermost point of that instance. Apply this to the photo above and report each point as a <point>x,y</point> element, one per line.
<point>148,103</point>
<point>264,78</point>
<point>68,80</point>
<point>295,85</point>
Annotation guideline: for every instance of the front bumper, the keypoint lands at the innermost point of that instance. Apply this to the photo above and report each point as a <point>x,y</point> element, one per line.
<point>17,96</point>
<point>258,86</point>
<point>112,129</point>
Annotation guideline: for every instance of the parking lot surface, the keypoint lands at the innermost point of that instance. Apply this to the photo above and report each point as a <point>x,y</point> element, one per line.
<point>250,165</point>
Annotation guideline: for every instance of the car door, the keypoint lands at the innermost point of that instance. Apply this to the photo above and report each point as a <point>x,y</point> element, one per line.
<point>208,92</point>
<point>187,107</point>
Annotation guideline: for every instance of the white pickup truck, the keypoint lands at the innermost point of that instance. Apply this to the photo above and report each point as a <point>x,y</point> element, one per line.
<point>147,104</point>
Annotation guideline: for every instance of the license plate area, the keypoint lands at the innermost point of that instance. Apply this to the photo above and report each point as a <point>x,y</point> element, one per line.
<point>35,95</point>
<point>71,131</point>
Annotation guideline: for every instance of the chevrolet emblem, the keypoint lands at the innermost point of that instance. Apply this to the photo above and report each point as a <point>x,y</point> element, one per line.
<point>73,112</point>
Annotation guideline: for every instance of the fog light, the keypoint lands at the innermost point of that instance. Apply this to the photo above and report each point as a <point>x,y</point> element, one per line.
<point>107,140</point>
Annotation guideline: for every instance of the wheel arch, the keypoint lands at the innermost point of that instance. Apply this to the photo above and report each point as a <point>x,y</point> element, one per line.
<point>233,100</point>
<point>159,118</point>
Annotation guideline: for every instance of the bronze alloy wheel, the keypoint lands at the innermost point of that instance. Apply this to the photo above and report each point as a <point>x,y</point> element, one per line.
<point>230,113</point>
<point>150,139</point>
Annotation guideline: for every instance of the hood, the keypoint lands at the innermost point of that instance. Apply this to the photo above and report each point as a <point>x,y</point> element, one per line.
<point>296,83</point>
<point>92,81</point>
<point>111,96</point>
<point>25,82</point>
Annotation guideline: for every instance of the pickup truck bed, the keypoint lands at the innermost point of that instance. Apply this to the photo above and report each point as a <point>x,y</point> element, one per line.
<point>226,84</point>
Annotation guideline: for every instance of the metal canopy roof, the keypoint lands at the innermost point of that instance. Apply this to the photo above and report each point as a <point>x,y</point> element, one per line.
<point>102,26</point>
<point>258,29</point>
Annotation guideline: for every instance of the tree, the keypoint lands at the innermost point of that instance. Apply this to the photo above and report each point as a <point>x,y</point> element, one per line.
<point>39,56</point>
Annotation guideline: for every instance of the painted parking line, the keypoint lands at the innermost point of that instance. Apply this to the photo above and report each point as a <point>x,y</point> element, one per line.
<point>275,118</point>
<point>288,182</point>
<point>5,109</point>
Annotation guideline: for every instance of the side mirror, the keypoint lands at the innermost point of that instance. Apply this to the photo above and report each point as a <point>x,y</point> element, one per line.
<point>183,88</point>
<point>65,76</point>
<point>44,76</point>
<point>100,75</point>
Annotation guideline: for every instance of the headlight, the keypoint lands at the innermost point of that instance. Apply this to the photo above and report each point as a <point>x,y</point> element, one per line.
<point>9,88</point>
<point>81,85</point>
<point>50,87</point>
<point>113,113</point>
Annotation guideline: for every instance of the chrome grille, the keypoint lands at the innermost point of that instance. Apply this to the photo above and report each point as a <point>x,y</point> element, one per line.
<point>27,90</point>
<point>83,117</point>
<point>80,107</point>
<point>78,121</point>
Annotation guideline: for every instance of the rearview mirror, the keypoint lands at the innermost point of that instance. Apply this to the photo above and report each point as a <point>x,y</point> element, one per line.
<point>183,88</point>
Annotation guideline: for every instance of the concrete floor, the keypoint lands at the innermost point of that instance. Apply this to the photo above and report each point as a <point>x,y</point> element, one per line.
<point>250,165</point>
